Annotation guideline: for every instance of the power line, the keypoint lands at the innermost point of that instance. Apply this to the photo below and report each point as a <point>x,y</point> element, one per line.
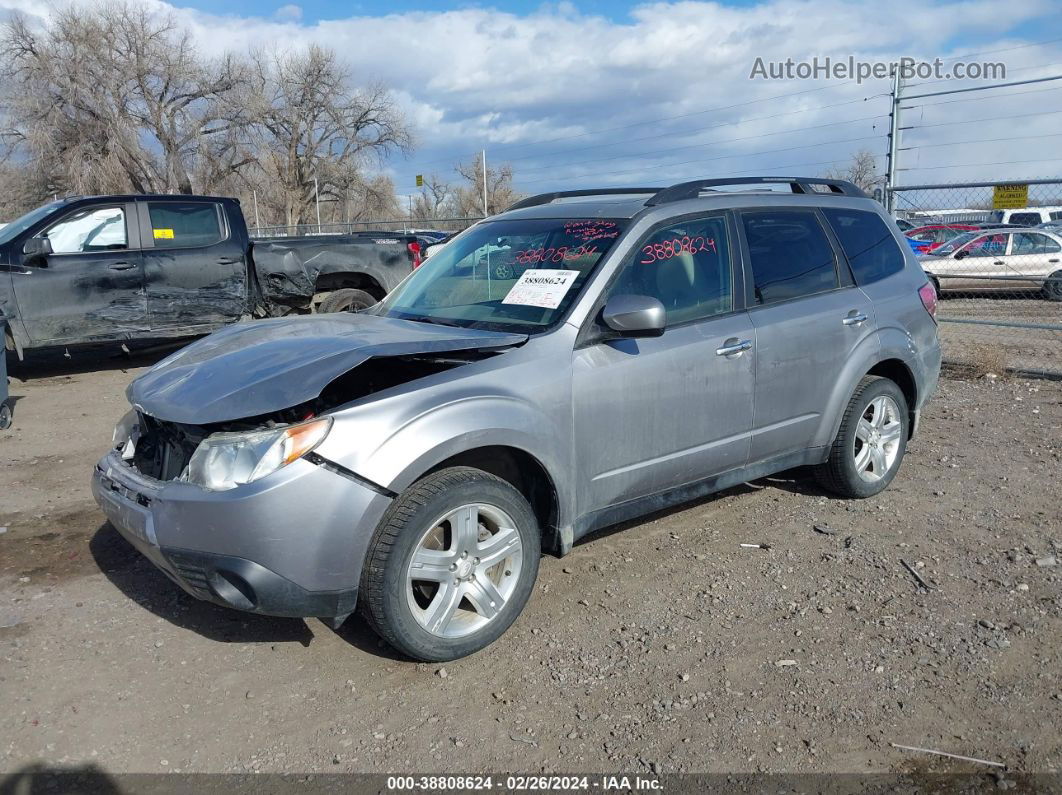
<point>705,143</point>
<point>982,141</point>
<point>982,165</point>
<point>990,118</point>
<point>978,99</point>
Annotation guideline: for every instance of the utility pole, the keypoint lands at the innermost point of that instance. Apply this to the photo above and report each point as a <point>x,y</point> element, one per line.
<point>317,201</point>
<point>894,136</point>
<point>485,183</point>
<point>410,196</point>
<point>257,226</point>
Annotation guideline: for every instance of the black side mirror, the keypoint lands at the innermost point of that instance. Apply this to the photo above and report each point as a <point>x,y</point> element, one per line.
<point>964,253</point>
<point>37,248</point>
<point>635,315</point>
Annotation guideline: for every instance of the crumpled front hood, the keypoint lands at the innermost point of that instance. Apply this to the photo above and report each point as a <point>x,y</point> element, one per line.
<point>264,366</point>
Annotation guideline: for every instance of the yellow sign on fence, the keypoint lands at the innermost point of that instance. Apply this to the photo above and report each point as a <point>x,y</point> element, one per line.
<point>1009,197</point>
<point>420,180</point>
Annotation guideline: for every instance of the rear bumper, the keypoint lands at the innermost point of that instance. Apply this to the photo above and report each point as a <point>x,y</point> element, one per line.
<point>292,544</point>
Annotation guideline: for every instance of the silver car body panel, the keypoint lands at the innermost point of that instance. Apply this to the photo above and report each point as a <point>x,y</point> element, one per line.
<point>617,424</point>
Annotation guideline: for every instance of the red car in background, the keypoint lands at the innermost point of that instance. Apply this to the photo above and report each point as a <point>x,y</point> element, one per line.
<point>931,236</point>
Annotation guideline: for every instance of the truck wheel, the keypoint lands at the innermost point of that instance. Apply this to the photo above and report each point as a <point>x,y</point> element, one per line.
<point>451,565</point>
<point>5,416</point>
<point>870,443</point>
<point>1053,287</point>
<point>346,300</point>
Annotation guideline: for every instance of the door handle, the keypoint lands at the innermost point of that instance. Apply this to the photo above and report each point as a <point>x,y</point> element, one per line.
<point>1053,261</point>
<point>121,266</point>
<point>999,262</point>
<point>229,260</point>
<point>854,319</point>
<point>734,347</point>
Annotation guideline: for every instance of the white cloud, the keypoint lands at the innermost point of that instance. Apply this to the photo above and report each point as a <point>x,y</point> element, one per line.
<point>288,13</point>
<point>480,77</point>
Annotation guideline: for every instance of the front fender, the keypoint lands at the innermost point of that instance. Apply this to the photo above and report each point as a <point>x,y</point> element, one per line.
<point>395,454</point>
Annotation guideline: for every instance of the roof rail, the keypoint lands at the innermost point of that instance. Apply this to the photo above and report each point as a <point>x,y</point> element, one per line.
<point>546,198</point>
<point>691,190</point>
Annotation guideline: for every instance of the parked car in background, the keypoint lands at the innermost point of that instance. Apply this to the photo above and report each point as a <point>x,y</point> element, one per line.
<point>415,458</point>
<point>904,224</point>
<point>929,237</point>
<point>108,268</point>
<point>1000,259</point>
<point>1028,216</point>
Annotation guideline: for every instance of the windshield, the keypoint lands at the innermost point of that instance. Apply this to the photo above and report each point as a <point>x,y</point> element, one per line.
<point>519,275</point>
<point>20,225</point>
<point>956,243</point>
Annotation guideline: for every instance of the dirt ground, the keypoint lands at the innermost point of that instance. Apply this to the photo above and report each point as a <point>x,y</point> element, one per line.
<point>661,646</point>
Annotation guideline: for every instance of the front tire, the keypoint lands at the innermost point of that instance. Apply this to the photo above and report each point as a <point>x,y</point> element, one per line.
<point>870,443</point>
<point>1053,287</point>
<point>451,565</point>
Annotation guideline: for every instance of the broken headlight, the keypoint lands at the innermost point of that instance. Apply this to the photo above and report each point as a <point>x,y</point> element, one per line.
<point>126,434</point>
<point>226,460</point>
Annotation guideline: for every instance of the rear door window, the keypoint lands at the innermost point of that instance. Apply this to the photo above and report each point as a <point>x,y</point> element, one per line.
<point>185,224</point>
<point>1025,219</point>
<point>790,254</point>
<point>867,242</point>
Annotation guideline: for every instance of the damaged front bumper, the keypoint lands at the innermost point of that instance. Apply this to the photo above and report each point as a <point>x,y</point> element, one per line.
<point>291,544</point>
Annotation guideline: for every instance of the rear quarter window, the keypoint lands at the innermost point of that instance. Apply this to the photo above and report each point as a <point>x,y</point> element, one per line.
<point>185,224</point>
<point>867,242</point>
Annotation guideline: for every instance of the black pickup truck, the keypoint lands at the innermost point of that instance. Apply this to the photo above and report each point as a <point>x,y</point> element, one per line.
<point>115,268</point>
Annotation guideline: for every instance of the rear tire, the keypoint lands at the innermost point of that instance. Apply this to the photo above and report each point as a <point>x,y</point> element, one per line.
<point>5,416</point>
<point>346,300</point>
<point>451,565</point>
<point>870,443</point>
<point>1053,287</point>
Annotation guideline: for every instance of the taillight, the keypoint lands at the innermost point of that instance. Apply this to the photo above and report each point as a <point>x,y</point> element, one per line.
<point>928,294</point>
<point>414,251</point>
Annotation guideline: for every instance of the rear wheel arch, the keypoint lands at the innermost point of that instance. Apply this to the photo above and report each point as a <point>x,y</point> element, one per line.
<point>897,371</point>
<point>330,282</point>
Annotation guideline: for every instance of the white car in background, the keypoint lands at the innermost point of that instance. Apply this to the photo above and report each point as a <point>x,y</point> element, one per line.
<point>998,259</point>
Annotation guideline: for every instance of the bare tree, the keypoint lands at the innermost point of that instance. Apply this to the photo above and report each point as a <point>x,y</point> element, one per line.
<point>113,97</point>
<point>862,171</point>
<point>312,134</point>
<point>435,200</point>
<point>500,191</point>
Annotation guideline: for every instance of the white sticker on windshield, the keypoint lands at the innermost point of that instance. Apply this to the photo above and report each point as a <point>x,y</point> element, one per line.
<point>541,287</point>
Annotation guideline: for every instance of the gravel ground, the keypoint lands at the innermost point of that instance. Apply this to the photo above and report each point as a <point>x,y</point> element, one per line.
<point>659,646</point>
<point>1031,350</point>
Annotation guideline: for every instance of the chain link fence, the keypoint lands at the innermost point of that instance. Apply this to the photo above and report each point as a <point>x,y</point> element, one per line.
<point>361,227</point>
<point>998,272</point>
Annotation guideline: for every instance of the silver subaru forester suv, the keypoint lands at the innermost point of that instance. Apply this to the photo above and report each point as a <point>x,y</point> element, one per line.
<point>581,359</point>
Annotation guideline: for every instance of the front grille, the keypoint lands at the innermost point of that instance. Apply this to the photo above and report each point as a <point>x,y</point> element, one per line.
<point>164,449</point>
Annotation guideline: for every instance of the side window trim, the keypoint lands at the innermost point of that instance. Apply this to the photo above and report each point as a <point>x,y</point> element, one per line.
<point>144,215</point>
<point>736,270</point>
<point>746,256</point>
<point>132,232</point>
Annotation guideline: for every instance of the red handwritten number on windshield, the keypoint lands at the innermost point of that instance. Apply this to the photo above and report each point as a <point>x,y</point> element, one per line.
<point>674,247</point>
<point>562,254</point>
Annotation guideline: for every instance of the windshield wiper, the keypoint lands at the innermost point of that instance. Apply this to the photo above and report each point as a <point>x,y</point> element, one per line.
<point>432,320</point>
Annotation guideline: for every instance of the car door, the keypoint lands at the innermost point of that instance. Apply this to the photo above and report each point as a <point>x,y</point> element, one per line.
<point>91,286</point>
<point>654,413</point>
<point>808,317</point>
<point>195,269</point>
<point>1032,257</point>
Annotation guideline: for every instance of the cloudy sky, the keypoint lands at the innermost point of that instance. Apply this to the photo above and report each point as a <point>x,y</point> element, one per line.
<point>612,93</point>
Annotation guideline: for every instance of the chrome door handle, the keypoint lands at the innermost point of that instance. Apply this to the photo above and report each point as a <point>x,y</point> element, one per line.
<point>734,347</point>
<point>854,319</point>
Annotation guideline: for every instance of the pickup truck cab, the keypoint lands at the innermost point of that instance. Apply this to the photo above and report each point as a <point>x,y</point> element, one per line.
<point>113,268</point>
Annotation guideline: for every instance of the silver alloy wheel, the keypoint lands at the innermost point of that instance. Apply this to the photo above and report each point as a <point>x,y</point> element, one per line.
<point>877,441</point>
<point>463,570</point>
